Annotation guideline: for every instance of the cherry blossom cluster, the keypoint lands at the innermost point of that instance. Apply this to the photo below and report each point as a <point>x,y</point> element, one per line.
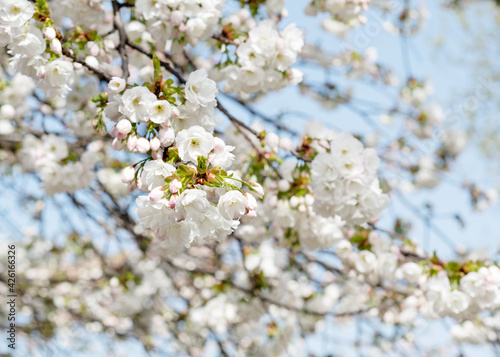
<point>173,24</point>
<point>12,97</point>
<point>437,289</point>
<point>35,53</point>
<point>162,118</point>
<point>344,180</point>
<point>59,169</point>
<point>477,291</point>
<point>345,13</point>
<point>180,214</point>
<point>264,60</point>
<point>191,196</point>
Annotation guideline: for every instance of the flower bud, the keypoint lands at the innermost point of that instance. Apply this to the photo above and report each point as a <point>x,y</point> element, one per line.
<point>283,185</point>
<point>117,144</point>
<point>166,136</point>
<point>175,185</point>
<point>132,142</point>
<point>154,143</point>
<point>257,189</point>
<point>49,33</point>
<point>7,112</point>
<point>124,126</point>
<point>110,45</point>
<point>272,140</point>
<point>157,193</point>
<point>252,202</point>
<point>142,145</point>
<point>173,201</point>
<point>158,154</point>
<point>55,46</point>
<point>93,48</point>
<point>175,112</point>
<point>128,174</point>
<point>294,201</point>
<point>92,61</point>
<point>139,182</point>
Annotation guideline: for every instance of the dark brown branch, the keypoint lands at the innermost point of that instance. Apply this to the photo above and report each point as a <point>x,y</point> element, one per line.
<point>164,64</point>
<point>102,75</point>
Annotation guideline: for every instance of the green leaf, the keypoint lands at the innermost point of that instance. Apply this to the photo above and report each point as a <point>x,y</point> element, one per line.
<point>185,171</point>
<point>158,77</point>
<point>453,267</point>
<point>202,164</point>
<point>358,238</point>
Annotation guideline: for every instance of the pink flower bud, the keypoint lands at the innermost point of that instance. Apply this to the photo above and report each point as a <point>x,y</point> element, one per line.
<point>114,132</point>
<point>142,145</point>
<point>124,126</point>
<point>154,143</point>
<point>55,46</point>
<point>94,49</point>
<point>166,136</point>
<point>110,45</point>
<point>77,65</point>
<point>158,154</point>
<point>132,142</point>
<point>128,174</point>
<point>175,185</point>
<point>139,182</point>
<point>172,201</point>
<point>175,112</point>
<point>251,214</point>
<point>252,202</point>
<point>257,189</point>
<point>49,33</point>
<point>117,144</point>
<point>157,193</point>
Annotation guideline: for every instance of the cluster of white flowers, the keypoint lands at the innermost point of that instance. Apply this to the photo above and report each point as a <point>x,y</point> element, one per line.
<point>427,174</point>
<point>198,214</point>
<point>174,23</point>
<point>12,100</point>
<point>345,13</point>
<point>49,155</point>
<point>139,105</point>
<point>264,60</point>
<point>14,15</point>
<point>241,20</point>
<point>425,124</point>
<point>180,208</point>
<point>27,45</point>
<point>476,292</point>
<point>430,296</point>
<point>81,12</point>
<point>291,222</point>
<point>344,180</point>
